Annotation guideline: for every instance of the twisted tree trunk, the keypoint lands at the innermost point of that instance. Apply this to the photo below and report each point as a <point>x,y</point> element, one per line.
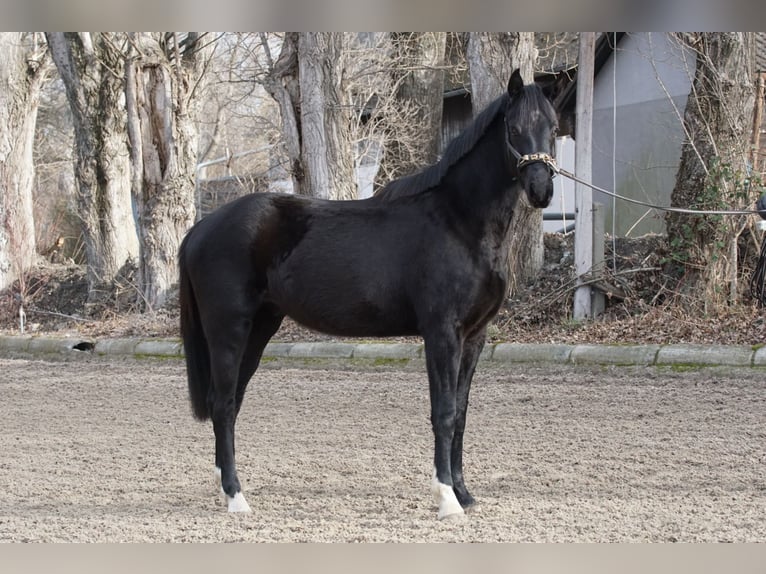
<point>326,153</point>
<point>306,82</point>
<point>90,64</point>
<point>22,71</point>
<point>161,78</point>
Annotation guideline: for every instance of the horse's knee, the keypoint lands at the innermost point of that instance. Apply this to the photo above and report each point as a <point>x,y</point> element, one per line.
<point>443,422</point>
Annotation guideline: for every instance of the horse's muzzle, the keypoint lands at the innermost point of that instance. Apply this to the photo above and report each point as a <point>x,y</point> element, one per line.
<point>538,182</point>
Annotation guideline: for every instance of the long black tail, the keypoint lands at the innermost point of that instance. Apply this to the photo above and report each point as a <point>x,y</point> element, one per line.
<point>195,344</point>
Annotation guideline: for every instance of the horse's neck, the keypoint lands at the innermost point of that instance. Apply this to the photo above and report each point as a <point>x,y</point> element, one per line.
<point>483,192</point>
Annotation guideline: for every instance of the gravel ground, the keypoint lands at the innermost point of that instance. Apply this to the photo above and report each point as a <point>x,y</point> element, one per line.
<point>105,449</point>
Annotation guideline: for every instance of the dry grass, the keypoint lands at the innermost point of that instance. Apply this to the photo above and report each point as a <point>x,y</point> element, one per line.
<point>643,308</point>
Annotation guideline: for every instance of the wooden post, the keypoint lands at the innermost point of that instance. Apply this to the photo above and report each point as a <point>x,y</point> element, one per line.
<point>583,168</point>
<point>597,300</point>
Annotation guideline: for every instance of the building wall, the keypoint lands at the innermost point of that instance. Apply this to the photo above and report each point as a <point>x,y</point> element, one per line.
<point>651,76</point>
<point>562,205</point>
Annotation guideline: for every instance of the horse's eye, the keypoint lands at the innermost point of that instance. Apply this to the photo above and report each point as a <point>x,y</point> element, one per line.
<point>515,131</point>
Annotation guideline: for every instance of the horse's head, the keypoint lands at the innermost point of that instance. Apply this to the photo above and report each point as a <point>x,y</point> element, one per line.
<point>530,130</point>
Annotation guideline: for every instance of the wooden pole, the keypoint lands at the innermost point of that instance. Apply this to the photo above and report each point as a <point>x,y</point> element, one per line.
<point>755,148</point>
<point>583,170</point>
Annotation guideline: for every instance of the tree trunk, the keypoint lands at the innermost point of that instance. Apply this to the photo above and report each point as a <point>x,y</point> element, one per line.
<point>281,81</point>
<point>325,152</point>
<point>306,82</point>
<point>418,80</point>
<point>492,57</point>
<point>713,168</point>
<point>22,71</point>
<point>91,67</point>
<point>161,88</point>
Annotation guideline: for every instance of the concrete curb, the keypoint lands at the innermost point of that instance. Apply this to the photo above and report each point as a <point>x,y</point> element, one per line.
<point>660,355</point>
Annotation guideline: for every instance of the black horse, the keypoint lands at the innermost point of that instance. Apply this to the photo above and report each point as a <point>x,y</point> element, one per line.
<point>425,256</point>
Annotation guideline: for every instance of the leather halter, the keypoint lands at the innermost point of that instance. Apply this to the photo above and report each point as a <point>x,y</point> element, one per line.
<point>524,160</point>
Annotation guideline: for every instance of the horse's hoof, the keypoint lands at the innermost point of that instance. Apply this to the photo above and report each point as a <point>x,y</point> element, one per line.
<point>451,515</point>
<point>449,507</point>
<point>237,503</point>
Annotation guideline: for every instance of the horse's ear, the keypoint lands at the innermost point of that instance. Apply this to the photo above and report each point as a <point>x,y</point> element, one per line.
<point>516,83</point>
<point>553,89</point>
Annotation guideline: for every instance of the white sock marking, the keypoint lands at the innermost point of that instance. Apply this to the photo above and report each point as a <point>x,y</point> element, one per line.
<point>238,503</point>
<point>445,498</point>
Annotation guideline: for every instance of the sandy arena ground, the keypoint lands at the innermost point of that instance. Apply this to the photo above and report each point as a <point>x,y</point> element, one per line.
<point>105,449</point>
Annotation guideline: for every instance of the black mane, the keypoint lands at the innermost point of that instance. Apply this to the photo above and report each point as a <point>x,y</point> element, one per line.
<point>456,150</point>
<point>530,98</point>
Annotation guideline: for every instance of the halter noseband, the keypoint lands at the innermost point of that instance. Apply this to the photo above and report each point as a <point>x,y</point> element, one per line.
<point>523,161</point>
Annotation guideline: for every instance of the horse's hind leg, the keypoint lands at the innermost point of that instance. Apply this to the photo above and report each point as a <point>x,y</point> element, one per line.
<point>263,326</point>
<point>265,323</point>
<point>226,350</point>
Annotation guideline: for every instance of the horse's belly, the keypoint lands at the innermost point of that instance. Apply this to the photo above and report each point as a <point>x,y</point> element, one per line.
<point>343,308</point>
<point>357,319</point>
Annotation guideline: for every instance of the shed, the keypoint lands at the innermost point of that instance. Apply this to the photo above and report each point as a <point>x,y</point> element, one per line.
<point>641,85</point>
<point>637,142</point>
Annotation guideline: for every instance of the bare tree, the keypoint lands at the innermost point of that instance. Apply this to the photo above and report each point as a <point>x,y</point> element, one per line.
<point>307,83</point>
<point>326,153</point>
<point>162,87</point>
<point>23,67</point>
<point>281,81</point>
<point>413,119</point>
<point>388,96</point>
<point>491,59</point>
<point>91,67</point>
<point>714,171</point>
<point>237,115</point>
<point>57,226</point>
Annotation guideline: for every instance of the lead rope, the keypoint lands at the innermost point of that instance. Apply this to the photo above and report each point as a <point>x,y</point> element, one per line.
<point>757,280</point>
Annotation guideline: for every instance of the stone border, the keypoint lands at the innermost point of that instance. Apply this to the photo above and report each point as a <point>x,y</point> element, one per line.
<point>660,355</point>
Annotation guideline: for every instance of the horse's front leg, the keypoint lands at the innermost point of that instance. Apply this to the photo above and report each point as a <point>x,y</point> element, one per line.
<point>443,363</point>
<point>471,351</point>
